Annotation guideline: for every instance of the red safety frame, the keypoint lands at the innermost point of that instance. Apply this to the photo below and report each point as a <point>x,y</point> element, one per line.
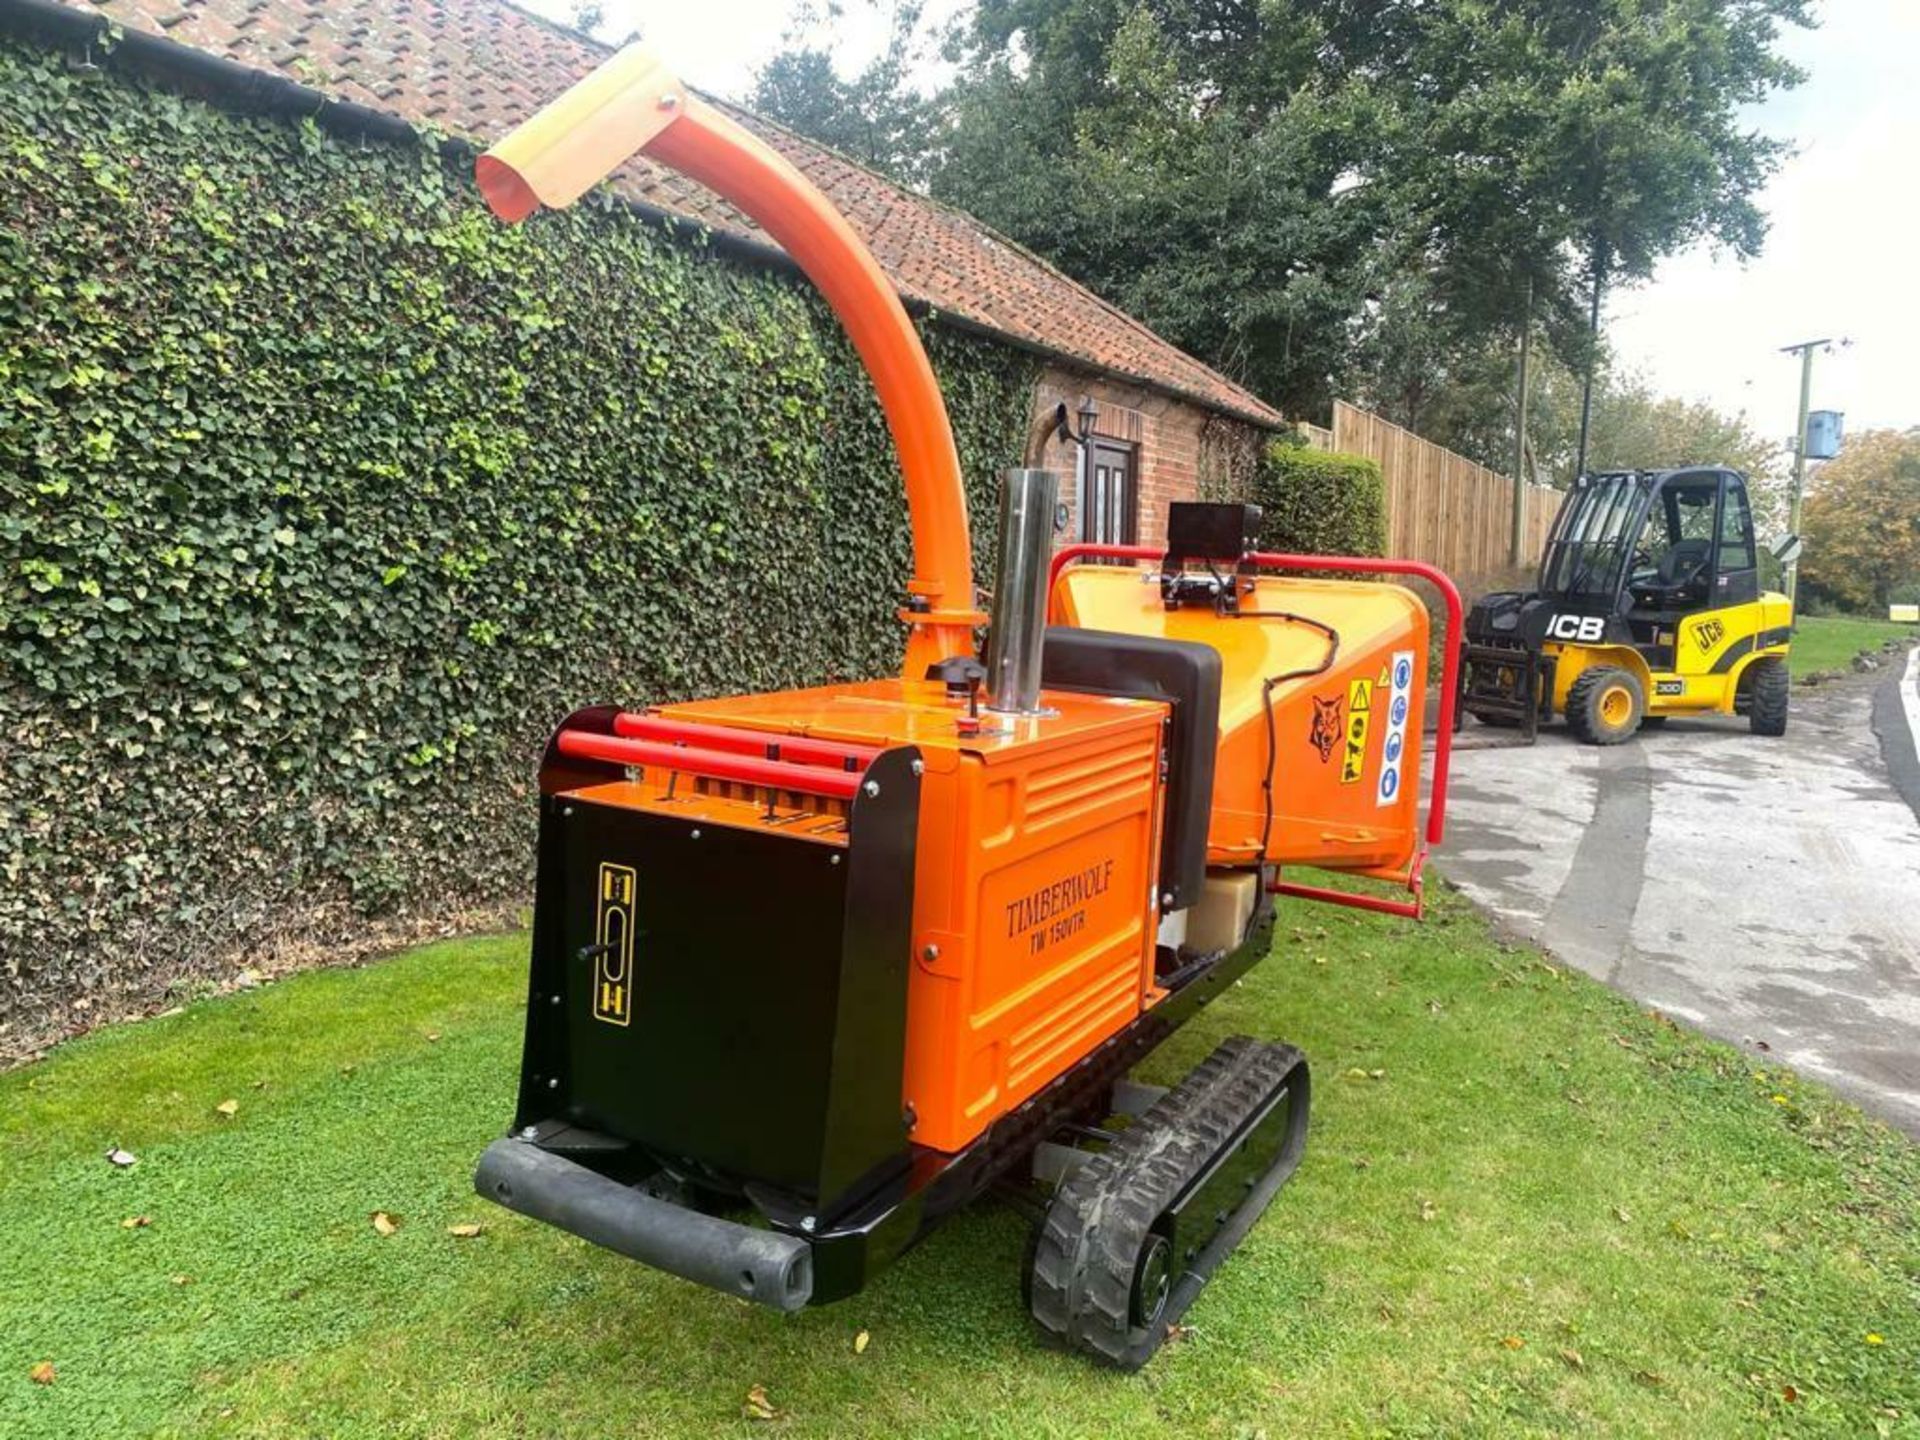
<point>768,745</point>
<point>1449,691</point>
<point>717,751</point>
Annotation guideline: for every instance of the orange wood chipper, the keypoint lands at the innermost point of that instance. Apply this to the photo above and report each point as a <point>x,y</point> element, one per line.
<point>811,970</point>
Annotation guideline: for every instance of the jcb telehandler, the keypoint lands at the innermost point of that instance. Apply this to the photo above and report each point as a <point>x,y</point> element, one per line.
<point>811,970</point>
<point>1649,605</point>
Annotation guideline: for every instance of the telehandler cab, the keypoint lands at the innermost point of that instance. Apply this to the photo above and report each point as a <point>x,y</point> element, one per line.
<point>812,970</point>
<point>1649,605</point>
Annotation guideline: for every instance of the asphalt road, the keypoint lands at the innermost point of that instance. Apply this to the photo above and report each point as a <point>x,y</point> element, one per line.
<point>1766,891</point>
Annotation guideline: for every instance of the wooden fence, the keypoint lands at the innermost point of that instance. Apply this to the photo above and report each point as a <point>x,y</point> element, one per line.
<point>1441,507</point>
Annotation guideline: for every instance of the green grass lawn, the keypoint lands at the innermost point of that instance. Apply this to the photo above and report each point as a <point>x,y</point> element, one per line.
<point>1829,642</point>
<point>1527,1208</point>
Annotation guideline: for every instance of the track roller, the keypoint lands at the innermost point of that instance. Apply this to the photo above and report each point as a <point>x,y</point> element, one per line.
<point>1133,1234</point>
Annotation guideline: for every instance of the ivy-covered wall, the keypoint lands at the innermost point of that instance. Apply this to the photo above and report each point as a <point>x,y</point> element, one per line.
<point>323,496</point>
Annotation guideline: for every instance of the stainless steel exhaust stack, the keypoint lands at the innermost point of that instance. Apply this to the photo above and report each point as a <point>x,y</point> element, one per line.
<point>1027,500</point>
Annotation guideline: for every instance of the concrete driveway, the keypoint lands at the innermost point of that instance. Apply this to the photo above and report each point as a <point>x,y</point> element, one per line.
<point>1767,891</point>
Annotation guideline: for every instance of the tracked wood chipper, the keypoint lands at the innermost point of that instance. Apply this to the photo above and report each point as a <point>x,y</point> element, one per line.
<point>812,970</point>
<point>1648,605</point>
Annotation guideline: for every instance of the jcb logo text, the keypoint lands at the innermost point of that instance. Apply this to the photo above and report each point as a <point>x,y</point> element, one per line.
<point>1584,628</point>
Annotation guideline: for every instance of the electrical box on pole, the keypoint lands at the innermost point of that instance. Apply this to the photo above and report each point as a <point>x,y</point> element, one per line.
<point>1824,434</point>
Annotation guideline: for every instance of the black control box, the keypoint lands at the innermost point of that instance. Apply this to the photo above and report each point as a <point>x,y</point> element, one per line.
<point>1204,530</point>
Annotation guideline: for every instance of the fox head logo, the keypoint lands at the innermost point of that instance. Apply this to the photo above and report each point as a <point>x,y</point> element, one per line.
<point>1326,726</point>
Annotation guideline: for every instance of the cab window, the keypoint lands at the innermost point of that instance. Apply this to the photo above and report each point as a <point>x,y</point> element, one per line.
<point>1688,513</point>
<point>1736,532</point>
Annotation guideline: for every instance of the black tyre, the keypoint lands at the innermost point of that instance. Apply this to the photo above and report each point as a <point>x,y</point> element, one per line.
<point>1605,705</point>
<point>1769,687</point>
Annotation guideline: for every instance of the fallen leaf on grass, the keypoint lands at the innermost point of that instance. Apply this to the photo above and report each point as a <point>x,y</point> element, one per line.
<point>227,1109</point>
<point>433,1037</point>
<point>860,1343</point>
<point>383,1223</point>
<point>1652,1379</point>
<point>1428,1210</point>
<point>1177,1333</point>
<point>1572,1357</point>
<point>1620,1213</point>
<point>465,1231</point>
<point>43,1373</point>
<point>1789,1393</point>
<point>181,1279</point>
<point>136,1222</point>
<point>1513,1342</point>
<point>122,1158</point>
<point>1873,1339</point>
<point>758,1406</point>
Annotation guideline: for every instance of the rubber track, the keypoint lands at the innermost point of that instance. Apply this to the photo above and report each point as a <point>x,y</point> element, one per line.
<point>1087,1245</point>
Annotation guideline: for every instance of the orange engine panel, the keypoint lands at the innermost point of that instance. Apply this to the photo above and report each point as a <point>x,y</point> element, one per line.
<point>1034,915</point>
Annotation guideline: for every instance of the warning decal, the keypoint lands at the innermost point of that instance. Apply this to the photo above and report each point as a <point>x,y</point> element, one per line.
<point>1359,716</point>
<point>1399,710</point>
<point>613,951</point>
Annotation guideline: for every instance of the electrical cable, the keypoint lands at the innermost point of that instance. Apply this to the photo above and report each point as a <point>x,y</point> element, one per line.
<point>1266,702</point>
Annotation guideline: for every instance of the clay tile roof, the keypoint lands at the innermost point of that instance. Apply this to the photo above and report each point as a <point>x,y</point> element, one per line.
<point>475,68</point>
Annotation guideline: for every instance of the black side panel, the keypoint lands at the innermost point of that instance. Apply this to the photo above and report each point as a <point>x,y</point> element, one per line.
<point>1187,676</point>
<point>764,1036</point>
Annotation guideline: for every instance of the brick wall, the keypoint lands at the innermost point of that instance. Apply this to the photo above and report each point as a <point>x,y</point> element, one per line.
<point>1183,452</point>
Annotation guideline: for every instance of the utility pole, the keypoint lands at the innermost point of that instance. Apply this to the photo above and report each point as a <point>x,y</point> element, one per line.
<point>1805,351</point>
<point>1516,539</point>
<point>1593,354</point>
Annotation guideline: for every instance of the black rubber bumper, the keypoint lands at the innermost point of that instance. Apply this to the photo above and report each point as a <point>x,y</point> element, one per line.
<point>759,1265</point>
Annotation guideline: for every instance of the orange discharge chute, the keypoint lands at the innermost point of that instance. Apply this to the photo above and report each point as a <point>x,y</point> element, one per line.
<point>632,105</point>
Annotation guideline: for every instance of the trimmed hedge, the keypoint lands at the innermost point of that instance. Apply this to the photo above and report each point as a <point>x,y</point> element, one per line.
<point>325,497</point>
<point>1316,502</point>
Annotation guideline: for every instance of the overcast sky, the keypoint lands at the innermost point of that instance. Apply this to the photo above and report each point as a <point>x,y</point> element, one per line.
<point>1841,255</point>
<point>1840,259</point>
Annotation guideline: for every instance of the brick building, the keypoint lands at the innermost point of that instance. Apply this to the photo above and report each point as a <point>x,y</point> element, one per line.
<point>1167,426</point>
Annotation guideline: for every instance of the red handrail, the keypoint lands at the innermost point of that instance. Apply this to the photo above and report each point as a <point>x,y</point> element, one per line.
<point>1346,564</point>
<point>742,741</point>
<point>1067,554</point>
<point>722,765</point>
